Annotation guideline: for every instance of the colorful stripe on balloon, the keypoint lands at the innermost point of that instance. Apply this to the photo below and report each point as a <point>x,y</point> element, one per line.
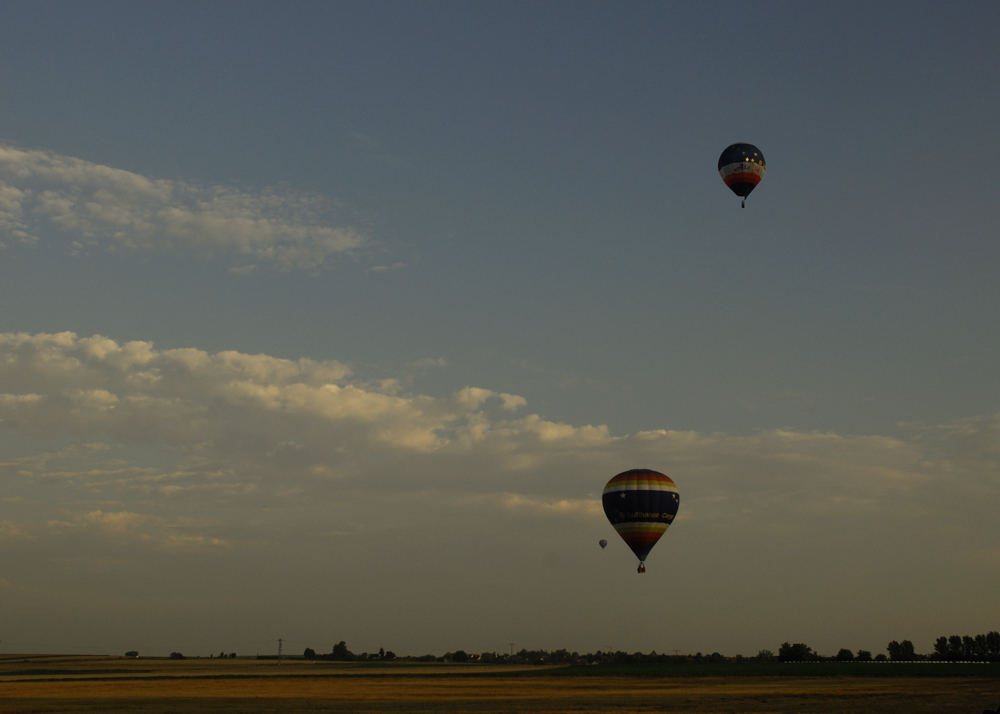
<point>640,504</point>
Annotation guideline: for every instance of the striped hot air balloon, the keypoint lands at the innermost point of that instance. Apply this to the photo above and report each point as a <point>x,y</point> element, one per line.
<point>640,504</point>
<point>742,167</point>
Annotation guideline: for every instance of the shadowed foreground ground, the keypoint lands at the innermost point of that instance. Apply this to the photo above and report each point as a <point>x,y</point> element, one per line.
<point>75,684</point>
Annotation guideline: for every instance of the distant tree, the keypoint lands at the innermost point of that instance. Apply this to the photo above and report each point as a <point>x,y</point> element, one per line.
<point>955,649</point>
<point>176,655</point>
<point>799,652</point>
<point>901,651</point>
<point>864,656</point>
<point>845,655</point>
<point>340,652</point>
<point>309,653</point>
<point>941,647</point>
<point>765,656</point>
<point>881,658</point>
<point>561,656</point>
<point>459,656</point>
<point>993,644</point>
<point>132,653</point>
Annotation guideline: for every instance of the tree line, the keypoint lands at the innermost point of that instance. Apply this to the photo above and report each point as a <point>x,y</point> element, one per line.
<point>947,648</point>
<point>953,648</point>
<point>980,647</point>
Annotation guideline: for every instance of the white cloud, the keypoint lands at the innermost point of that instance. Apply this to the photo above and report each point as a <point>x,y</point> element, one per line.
<point>474,397</point>
<point>137,531</point>
<point>43,194</point>
<point>228,422</point>
<point>587,507</point>
<point>116,522</point>
<point>398,265</point>
<point>177,541</point>
<point>11,531</point>
<point>142,422</point>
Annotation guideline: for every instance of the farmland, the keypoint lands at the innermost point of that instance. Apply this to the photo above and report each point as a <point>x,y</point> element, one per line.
<point>70,684</point>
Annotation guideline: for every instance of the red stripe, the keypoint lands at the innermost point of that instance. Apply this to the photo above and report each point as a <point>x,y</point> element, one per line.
<point>750,178</point>
<point>642,538</point>
<point>643,474</point>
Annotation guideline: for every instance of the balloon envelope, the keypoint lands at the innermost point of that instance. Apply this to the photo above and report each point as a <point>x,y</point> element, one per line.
<point>742,167</point>
<point>641,504</point>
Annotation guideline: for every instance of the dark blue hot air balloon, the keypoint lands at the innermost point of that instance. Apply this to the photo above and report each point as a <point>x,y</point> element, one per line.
<point>742,167</point>
<point>641,504</point>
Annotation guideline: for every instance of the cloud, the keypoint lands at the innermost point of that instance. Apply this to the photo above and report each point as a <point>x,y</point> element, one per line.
<point>44,195</point>
<point>11,531</point>
<point>146,460</point>
<point>142,531</point>
<point>587,507</point>
<point>391,267</point>
<point>118,522</point>
<point>249,414</point>
<point>229,425</point>
<point>95,386</point>
<point>474,397</point>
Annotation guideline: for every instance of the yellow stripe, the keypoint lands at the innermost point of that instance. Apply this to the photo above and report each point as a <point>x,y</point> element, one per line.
<point>641,527</point>
<point>638,485</point>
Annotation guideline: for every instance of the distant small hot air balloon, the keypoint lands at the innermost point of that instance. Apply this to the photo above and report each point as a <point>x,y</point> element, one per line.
<point>640,504</point>
<point>603,543</point>
<point>742,167</point>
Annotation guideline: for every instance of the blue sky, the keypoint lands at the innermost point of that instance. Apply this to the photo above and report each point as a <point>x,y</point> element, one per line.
<point>383,293</point>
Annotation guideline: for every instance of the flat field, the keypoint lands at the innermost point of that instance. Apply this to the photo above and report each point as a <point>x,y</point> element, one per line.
<point>71,684</point>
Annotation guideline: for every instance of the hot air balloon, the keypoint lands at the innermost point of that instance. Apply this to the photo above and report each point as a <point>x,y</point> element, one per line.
<point>603,543</point>
<point>742,167</point>
<point>640,503</point>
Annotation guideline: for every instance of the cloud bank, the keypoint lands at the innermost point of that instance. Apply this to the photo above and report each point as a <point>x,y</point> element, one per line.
<point>46,196</point>
<point>229,422</point>
<point>126,456</point>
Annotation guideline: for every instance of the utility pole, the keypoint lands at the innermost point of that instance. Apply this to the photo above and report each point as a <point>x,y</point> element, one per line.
<point>280,641</point>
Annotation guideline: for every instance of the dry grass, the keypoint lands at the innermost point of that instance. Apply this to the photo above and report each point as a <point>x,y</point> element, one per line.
<point>69,685</point>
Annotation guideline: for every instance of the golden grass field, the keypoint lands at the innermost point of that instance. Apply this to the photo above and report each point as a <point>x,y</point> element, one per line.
<point>71,684</point>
